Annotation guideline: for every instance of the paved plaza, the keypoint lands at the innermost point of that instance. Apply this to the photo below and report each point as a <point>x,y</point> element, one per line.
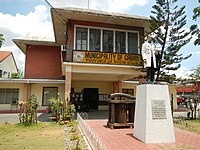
<point>122,139</point>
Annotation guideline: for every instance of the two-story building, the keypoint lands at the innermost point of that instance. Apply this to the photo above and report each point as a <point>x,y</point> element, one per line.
<point>94,54</point>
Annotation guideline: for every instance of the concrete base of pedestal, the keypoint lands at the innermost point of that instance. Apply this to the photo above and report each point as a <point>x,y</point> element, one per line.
<point>153,119</point>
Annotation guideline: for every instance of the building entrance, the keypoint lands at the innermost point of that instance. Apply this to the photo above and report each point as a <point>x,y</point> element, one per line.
<point>91,97</point>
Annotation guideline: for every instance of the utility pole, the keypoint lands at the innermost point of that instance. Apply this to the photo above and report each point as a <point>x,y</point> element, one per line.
<point>88,4</point>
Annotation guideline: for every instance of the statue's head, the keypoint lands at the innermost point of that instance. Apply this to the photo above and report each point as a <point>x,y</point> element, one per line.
<point>149,38</point>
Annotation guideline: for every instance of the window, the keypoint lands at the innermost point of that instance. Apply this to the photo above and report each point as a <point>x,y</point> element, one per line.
<point>132,43</point>
<point>95,36</point>
<point>48,93</point>
<point>120,42</point>
<point>81,38</point>
<point>9,95</point>
<point>128,91</point>
<point>0,73</point>
<point>107,41</point>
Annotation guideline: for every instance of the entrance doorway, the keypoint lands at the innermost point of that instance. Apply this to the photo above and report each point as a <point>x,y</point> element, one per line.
<point>91,97</point>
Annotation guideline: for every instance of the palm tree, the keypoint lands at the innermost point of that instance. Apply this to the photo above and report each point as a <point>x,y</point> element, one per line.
<point>1,39</point>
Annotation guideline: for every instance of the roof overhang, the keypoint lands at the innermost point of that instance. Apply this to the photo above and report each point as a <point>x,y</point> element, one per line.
<point>60,17</point>
<point>39,81</point>
<point>101,72</point>
<point>21,43</point>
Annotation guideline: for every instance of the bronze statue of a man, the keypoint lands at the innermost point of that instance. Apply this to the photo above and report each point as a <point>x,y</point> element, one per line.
<point>149,57</point>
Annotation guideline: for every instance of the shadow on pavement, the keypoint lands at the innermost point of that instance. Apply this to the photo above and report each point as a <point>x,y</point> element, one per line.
<point>45,117</point>
<point>95,114</point>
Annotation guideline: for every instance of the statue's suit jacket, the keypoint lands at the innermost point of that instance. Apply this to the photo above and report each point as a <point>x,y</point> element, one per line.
<point>148,51</point>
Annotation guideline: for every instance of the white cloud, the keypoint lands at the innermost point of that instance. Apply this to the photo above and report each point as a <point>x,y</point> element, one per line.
<point>108,5</point>
<point>183,72</point>
<point>196,52</point>
<point>34,24</point>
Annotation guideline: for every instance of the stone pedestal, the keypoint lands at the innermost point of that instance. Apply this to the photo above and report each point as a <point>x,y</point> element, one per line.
<point>153,119</point>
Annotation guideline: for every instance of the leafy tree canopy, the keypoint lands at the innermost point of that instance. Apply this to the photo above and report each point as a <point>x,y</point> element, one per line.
<point>167,27</point>
<point>196,73</point>
<point>194,28</point>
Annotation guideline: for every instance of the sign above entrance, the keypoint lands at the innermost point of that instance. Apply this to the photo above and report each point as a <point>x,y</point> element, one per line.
<point>106,58</point>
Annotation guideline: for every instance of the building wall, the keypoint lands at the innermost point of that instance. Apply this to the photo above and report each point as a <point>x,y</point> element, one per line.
<point>37,90</point>
<point>20,86</point>
<point>129,86</point>
<point>8,65</point>
<point>104,87</point>
<point>43,62</point>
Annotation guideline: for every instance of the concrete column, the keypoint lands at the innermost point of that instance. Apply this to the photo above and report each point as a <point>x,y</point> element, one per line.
<point>114,87</point>
<point>117,87</point>
<point>26,92</point>
<point>68,78</point>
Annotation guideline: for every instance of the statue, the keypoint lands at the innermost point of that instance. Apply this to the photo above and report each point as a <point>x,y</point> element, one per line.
<point>149,57</point>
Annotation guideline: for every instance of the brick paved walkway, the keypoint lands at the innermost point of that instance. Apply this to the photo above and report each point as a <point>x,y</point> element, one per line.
<point>122,139</point>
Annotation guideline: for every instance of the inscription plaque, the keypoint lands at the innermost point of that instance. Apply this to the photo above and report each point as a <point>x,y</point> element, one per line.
<point>158,109</point>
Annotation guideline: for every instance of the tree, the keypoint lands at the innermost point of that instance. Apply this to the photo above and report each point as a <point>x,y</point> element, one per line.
<point>167,25</point>
<point>196,73</point>
<point>194,28</point>
<point>1,39</point>
<point>18,75</point>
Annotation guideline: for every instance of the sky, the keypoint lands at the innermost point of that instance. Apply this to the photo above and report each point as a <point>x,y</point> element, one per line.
<point>25,19</point>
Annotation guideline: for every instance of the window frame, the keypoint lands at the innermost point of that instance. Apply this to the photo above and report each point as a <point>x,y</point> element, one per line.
<point>99,39</point>
<point>43,93</point>
<point>12,99</point>
<point>82,40</point>
<point>132,90</point>
<point>101,35</point>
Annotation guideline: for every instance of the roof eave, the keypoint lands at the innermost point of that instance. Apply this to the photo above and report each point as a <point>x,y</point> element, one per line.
<point>21,43</point>
<point>92,16</point>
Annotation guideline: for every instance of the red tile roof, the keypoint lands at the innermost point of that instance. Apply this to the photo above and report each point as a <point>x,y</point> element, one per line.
<point>4,54</point>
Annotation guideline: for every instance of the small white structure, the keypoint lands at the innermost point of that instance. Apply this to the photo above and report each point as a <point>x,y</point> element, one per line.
<point>7,64</point>
<point>153,119</point>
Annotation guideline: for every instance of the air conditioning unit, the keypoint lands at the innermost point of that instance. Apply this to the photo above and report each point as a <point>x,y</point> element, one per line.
<point>63,47</point>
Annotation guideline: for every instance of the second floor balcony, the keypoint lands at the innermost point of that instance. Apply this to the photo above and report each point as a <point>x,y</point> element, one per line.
<point>103,46</point>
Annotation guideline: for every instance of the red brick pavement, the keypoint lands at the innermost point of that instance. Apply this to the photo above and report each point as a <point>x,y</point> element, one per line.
<point>122,139</point>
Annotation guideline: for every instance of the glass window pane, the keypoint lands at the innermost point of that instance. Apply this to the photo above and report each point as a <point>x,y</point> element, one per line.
<point>84,42</point>
<point>107,41</point>
<point>78,47</point>
<point>95,36</point>
<point>48,93</point>
<point>132,43</point>
<point>120,42</point>
<point>15,96</point>
<point>81,38</point>
<point>84,47</point>
<point>78,42</point>
<point>9,94</point>
<point>0,73</point>
<point>2,96</point>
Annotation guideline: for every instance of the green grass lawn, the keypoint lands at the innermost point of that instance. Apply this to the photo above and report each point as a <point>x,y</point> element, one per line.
<point>41,136</point>
<point>189,125</point>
